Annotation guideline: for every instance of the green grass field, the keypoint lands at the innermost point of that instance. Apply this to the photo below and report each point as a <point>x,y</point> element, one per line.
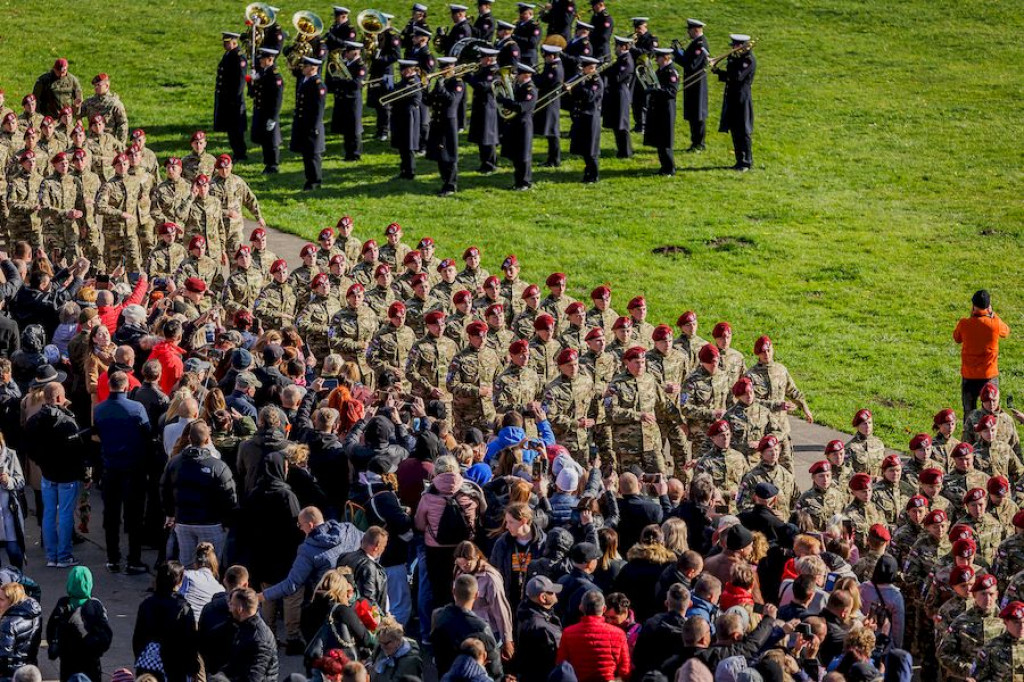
<point>887,185</point>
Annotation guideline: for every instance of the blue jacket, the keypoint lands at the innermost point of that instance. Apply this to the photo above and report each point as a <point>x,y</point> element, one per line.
<point>317,554</point>
<point>702,608</point>
<point>124,431</point>
<point>513,435</point>
<point>242,403</point>
<point>466,669</point>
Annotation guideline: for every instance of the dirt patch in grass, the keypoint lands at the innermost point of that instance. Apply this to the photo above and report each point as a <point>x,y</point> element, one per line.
<point>672,250</point>
<point>729,243</point>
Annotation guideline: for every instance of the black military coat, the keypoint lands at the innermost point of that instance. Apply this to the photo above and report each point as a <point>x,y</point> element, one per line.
<point>694,60</point>
<point>347,117</point>
<point>229,92</point>
<point>559,18</point>
<point>546,122</point>
<point>483,117</point>
<point>443,139</point>
<point>601,34</point>
<point>483,27</point>
<point>267,92</point>
<point>737,105</point>
<point>585,133</point>
<point>517,144</point>
<point>308,124</point>
<point>618,95</point>
<point>527,37</point>
<point>405,118</point>
<point>661,109</point>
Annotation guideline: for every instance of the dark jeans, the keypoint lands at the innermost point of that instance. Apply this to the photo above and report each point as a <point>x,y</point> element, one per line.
<point>123,495</point>
<point>312,163</point>
<point>698,131</point>
<point>970,389</point>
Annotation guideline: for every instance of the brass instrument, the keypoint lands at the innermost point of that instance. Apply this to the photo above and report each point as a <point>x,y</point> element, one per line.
<point>646,72</point>
<point>467,49</point>
<point>556,40</point>
<point>309,27</point>
<point>504,85</point>
<point>695,78</point>
<point>372,22</point>
<point>336,67</point>
<point>439,37</point>
<point>258,16</point>
<point>553,95</point>
<point>425,82</point>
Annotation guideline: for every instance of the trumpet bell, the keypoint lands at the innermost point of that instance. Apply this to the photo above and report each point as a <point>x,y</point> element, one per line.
<point>307,24</point>
<point>261,15</point>
<point>371,21</point>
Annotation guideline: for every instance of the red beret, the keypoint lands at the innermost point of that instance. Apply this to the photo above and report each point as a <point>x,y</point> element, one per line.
<point>243,250</point>
<point>100,77</point>
<point>575,308</point>
<point>518,347</point>
<point>1013,611</point>
<point>337,259</point>
<point>392,229</point>
<point>636,302</point>
<point>167,228</point>
<point>989,392</point>
<point>718,427</point>
<point>919,441</point>
<point>418,279</point>
<point>61,63</point>
<point>708,353</point>
<point>355,288</point>
<point>492,282</point>
<point>382,269</point>
<point>494,309</point>
<point>345,221</point>
<point>595,333</point>
<point>686,318</point>
<point>58,157</point>
<point>662,332</point>
<point>78,155</point>
<point>960,575</point>
<point>1018,519</point>
<point>223,161</point>
<point>820,467</point>
<point>308,250</point>
<point>531,291</point>
<point>622,323</point>
<point>47,121</point>
<point>27,155</point>
<point>860,482</point>
<point>720,329</point>
<point>861,417</point>
<point>962,450</point>
<point>196,242</point>
<point>930,476</point>
<point>201,179</point>
<point>242,316</point>
<point>834,446</point>
<point>761,343</point>
<point>367,245</point>
<point>935,516</point>
<point>880,532</point>
<point>961,531</point>
<point>555,279</point>
<point>137,133</point>
<point>986,422</point>
<point>257,233</point>
<point>601,292</point>
<point>998,485</point>
<point>769,441</point>
<point>891,461</point>
<point>476,328</point>
<point>965,549</point>
<point>173,161</point>
<point>916,502</point>
<point>568,355</point>
<point>634,353</point>
<point>544,322</point>
<point>412,257</point>
<point>743,385</point>
<point>195,285</point>
<point>943,416</point>
<point>10,116</point>
<point>445,264</point>
<point>28,98</point>
<point>319,280</point>
<point>461,297</point>
<point>984,582</point>
<point>196,136</point>
<point>278,265</point>
<point>326,233</point>
<point>434,317</point>
<point>974,495</point>
<point>471,251</point>
<point>395,309</point>
<point>510,260</point>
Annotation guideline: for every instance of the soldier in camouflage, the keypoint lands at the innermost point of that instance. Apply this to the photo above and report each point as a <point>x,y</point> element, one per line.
<point>1000,505</point>
<point>726,466</point>
<point>601,367</point>
<point>262,257</point>
<point>730,360</point>
<point>910,528</point>
<point>234,194</point>
<point>393,252</point>
<point>962,478</point>
<point>642,329</point>
<point>145,181</point>
<point>1009,559</point>
<point>352,329</point>
<point>456,324</point>
<point>90,235</point>
<point>774,384</point>
<point>571,406</point>
<point>168,255</point>
<point>102,146</point>
<point>635,405</point>
<point>688,342</point>
<point>929,485</point>
<point>471,382</point>
<point>420,303</point>
<point>198,264</point>
<point>602,314</point>
<point>878,539</point>
<point>365,270</point>
<point>988,532</point>
<point>921,458</point>
<point>749,418</point>
<point>429,360</point>
<point>444,286</point>
<point>150,164</point>
<point>944,424</point>
<point>243,284</point>
<point>117,203</point>
<point>861,510</point>
<point>340,282</point>
<point>890,493</point>
<point>499,338</point>
<point>770,471</point>
<point>522,324</point>
<point>488,298</point>
<point>347,242</point>
<point>960,580</point>
<point>413,264</point>
<point>388,353</point>
<point>204,217</point>
<point>108,105</point>
<point>557,301</point>
<point>666,364</point>
<point>544,348</point>
<point>59,208</point>
<point>275,306</point>
<point>327,248</point>
<point>302,276</point>
<point>992,455</point>
<point>517,389</point>
<point>575,330</point>
<point>381,295</point>
<point>168,199</point>
<point>315,322</point>
<point>919,635</point>
<point>23,206</point>
<point>1005,429</point>
<point>198,162</point>
<point>1002,659</point>
<point>971,630</point>
<point>705,396</point>
<point>472,276</point>
<point>511,289</point>
<point>865,451</point>
<point>823,500</point>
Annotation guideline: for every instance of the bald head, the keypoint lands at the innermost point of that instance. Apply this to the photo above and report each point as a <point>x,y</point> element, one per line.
<point>104,298</point>
<point>124,355</point>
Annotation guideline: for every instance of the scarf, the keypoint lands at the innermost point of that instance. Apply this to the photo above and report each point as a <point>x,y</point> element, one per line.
<point>392,661</point>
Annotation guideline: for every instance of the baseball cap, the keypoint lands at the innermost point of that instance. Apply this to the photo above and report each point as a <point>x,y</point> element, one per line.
<point>540,584</point>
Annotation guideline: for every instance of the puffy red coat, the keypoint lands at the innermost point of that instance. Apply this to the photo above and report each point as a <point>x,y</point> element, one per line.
<point>171,365</point>
<point>108,314</point>
<point>596,650</point>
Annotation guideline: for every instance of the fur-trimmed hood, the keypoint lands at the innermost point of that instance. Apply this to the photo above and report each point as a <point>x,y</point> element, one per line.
<point>656,553</point>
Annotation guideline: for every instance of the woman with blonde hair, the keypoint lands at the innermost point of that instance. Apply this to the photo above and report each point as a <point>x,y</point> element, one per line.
<point>491,603</point>
<point>202,579</point>
<point>214,401</point>
<point>397,656</point>
<point>342,627</point>
<point>674,529</point>
<point>20,627</point>
<point>851,586</point>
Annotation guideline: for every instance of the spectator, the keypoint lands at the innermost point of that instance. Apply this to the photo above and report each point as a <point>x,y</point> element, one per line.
<point>596,650</point>
<point>837,611</point>
<point>134,334</point>
<point>124,432</point>
<point>40,300</point>
<point>77,632</point>
<point>168,354</point>
<point>762,516</point>
<point>382,436</point>
<point>27,673</point>
<point>327,459</point>
<point>732,638</point>
<point>704,600</point>
<point>492,603</point>
<point>802,590</point>
<point>469,665</point>
<point>20,628</point>
<point>342,628</point>
<point>636,511</point>
<point>200,584</point>
<point>684,571</point>
<point>217,627</point>
<point>270,437</point>
<point>149,393</point>
<point>517,549</point>
<point>184,412</point>
<point>368,577</point>
<point>662,635</point>
<point>978,336</point>
<point>645,562</point>
<point>300,479</point>
<point>241,398</point>
<point>109,313</point>
<point>736,592</point>
<point>12,515</point>
<point>882,596</point>
<point>253,655</point>
<point>578,582</point>
<point>856,664</point>
<point>397,656</point>
<point>611,561</point>
<point>198,494</point>
<point>674,531</point>
<point>738,548</point>
<point>618,612</point>
<point>454,623</point>
<point>538,630</point>
<point>164,640</point>
<point>272,381</point>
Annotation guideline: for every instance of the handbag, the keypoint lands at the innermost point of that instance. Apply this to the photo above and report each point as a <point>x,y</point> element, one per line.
<point>150,660</point>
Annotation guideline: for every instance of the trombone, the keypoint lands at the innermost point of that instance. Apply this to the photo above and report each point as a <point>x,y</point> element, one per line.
<point>696,77</point>
<point>553,95</point>
<point>424,83</point>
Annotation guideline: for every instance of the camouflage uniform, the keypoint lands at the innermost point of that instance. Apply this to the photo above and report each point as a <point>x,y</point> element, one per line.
<point>749,424</point>
<point>912,468</point>
<point>956,485</point>
<point>147,236</point>
<point>514,389</point>
<point>416,309</point>
<point>441,297</point>
<point>642,333</point>
<point>865,454</point>
<point>362,272</point>
<point>393,255</point>
<point>668,368</point>
<point>195,165</point>
<point>205,268</point>
<point>275,306</point>
<point>233,193</point>
<point>903,540</point>
<point>777,475</point>
<point>633,439</point>
<point>601,369</point>
<point>773,383</point>
<point>314,324</point>
<point>324,256</point>
<point>113,111</point>
<point>165,259</point>
<point>522,325</point>
<point>919,637</point>
<point>937,588</point>
<point>26,121</point>
<point>262,259</point>
<point>702,394</point>
<point>388,352</point>
<point>241,289</point>
<point>1009,560</point>
<point>602,318</point>
<point>378,299</point>
<point>890,499</point>
<point>964,637</point>
<point>555,307</point>
<point>168,201</point>
<point>103,148</point>
<point>1001,660</point>
<point>203,217</point>
<point>948,612</point>
<point>510,292</point>
<point>566,401</point>
<point>821,505</point>
<point>472,280</point>
<point>998,459</point>
<point>690,347</point>
<point>1003,513</point>
<point>350,334</point>
<point>573,337</point>
<point>1006,428</point>
<point>300,279</point>
<point>150,165</point>
<point>864,515</point>
<point>472,369</point>
<point>23,218</point>
<point>726,468</point>
<point>455,328</point>
<point>338,286</point>
<point>120,236</point>
<point>731,362</point>
<point>988,533</point>
<point>544,359</point>
<point>427,367</point>
<point>865,566</point>
<point>351,246</point>
<point>942,450</point>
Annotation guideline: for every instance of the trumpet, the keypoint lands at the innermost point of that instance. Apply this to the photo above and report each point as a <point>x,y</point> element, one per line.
<point>309,27</point>
<point>553,95</point>
<point>695,78</point>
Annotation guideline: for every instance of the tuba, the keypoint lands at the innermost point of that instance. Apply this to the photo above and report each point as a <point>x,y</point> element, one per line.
<point>646,74</point>
<point>504,86</point>
<point>371,22</point>
<point>258,16</point>
<point>309,27</point>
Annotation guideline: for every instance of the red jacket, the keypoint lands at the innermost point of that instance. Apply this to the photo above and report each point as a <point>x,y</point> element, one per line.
<point>169,357</point>
<point>108,314</point>
<point>735,596</point>
<point>596,650</point>
<point>103,385</point>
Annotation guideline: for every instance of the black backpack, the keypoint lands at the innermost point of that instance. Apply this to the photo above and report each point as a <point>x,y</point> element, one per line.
<point>453,526</point>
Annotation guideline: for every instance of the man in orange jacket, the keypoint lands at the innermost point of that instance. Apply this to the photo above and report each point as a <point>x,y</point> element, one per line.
<point>978,336</point>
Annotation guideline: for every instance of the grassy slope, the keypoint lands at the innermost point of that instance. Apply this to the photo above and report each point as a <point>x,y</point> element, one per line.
<point>887,186</point>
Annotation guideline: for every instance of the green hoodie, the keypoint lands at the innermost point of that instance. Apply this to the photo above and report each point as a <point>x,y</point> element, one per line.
<point>79,586</point>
